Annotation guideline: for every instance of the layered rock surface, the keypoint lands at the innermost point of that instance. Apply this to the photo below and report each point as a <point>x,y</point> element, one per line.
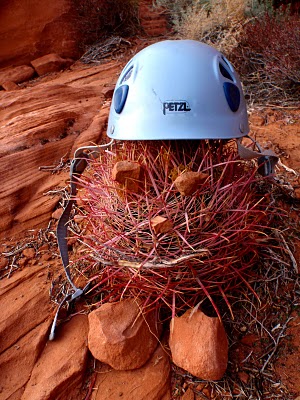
<point>39,127</point>
<point>51,29</point>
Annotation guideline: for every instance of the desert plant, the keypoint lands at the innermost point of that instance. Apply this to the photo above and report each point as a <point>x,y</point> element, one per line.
<point>268,58</point>
<point>100,19</point>
<point>213,239</point>
<point>215,22</point>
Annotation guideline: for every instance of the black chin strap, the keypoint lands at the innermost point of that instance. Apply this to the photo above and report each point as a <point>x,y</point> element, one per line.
<point>78,165</point>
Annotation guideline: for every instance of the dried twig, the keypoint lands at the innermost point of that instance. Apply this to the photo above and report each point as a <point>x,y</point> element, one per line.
<point>280,336</point>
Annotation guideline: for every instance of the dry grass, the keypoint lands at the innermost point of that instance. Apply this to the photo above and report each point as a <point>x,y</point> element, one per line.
<point>215,22</point>
<point>219,15</point>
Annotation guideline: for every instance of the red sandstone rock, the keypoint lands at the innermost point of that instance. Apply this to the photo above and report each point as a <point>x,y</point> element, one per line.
<point>50,63</point>
<point>17,362</point>
<point>24,304</point>
<point>16,74</point>
<point>52,29</point>
<point>256,120</point>
<point>9,86</point>
<point>199,345</point>
<point>150,382</point>
<point>59,370</point>
<point>57,213</point>
<point>188,182</point>
<point>3,262</point>
<point>188,395</point>
<point>108,91</point>
<point>297,193</point>
<point>29,252</point>
<point>95,131</point>
<point>161,224</point>
<point>120,336</point>
<point>152,20</point>
<point>39,127</point>
<point>127,173</point>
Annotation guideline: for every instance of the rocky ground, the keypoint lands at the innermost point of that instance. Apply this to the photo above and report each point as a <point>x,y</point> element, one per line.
<point>43,120</point>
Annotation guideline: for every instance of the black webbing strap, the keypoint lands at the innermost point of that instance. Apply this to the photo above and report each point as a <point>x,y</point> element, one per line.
<point>266,159</point>
<point>78,165</point>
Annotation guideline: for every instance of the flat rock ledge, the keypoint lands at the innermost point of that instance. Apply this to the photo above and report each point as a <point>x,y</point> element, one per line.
<point>150,382</point>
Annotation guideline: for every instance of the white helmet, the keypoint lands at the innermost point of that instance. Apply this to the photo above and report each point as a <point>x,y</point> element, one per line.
<point>178,89</point>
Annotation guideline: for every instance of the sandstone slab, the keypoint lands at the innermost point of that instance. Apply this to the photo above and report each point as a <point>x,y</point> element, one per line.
<point>38,128</point>
<point>199,345</point>
<point>9,86</point>
<point>60,368</point>
<point>150,382</point>
<point>24,304</point>
<point>16,74</point>
<point>17,362</point>
<point>119,335</point>
<point>50,63</point>
<point>51,29</point>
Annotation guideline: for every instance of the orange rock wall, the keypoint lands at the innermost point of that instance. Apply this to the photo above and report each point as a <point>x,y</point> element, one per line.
<point>32,28</point>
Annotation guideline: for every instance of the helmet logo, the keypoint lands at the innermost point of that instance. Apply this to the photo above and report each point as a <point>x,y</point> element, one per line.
<point>172,106</point>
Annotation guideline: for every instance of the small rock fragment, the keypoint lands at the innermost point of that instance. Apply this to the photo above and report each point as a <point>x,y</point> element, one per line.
<point>46,257</point>
<point>297,193</point>
<point>44,247</point>
<point>257,120</point>
<point>3,262</point>
<point>57,213</point>
<point>188,395</point>
<point>119,335</point>
<point>22,262</point>
<point>199,345</point>
<point>29,252</point>
<point>161,224</point>
<point>188,182</point>
<point>16,74</point>
<point>50,63</point>
<point>127,173</point>
<point>9,85</point>
<point>108,91</point>
<point>244,377</point>
<point>204,388</point>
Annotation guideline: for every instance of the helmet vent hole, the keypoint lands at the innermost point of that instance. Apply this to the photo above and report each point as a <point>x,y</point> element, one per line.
<point>227,63</point>
<point>120,97</point>
<point>225,72</point>
<point>232,95</point>
<point>127,75</point>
